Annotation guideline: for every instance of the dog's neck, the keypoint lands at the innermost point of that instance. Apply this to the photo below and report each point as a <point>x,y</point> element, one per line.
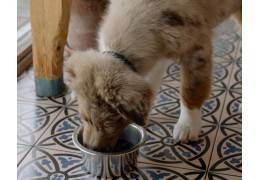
<point>105,50</point>
<point>141,64</point>
<point>122,58</point>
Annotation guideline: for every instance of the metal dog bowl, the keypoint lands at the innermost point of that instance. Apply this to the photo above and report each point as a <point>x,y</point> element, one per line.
<point>110,165</point>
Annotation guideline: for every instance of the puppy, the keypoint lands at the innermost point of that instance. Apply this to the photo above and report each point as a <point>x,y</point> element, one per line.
<point>116,84</point>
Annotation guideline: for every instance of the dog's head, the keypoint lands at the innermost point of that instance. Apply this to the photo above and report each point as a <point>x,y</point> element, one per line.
<point>110,96</point>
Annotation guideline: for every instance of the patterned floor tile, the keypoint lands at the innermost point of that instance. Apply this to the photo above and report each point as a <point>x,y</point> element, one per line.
<point>211,110</point>
<point>221,73</point>
<point>227,158</point>
<point>43,163</point>
<point>33,119</point>
<point>235,85</point>
<point>224,51</point>
<point>218,176</point>
<point>227,29</point>
<point>222,65</point>
<point>227,153</point>
<point>226,44</point>
<point>152,172</point>
<point>167,104</point>
<point>59,134</point>
<point>160,149</point>
<point>50,164</point>
<point>21,152</point>
<point>231,115</point>
<point>26,91</point>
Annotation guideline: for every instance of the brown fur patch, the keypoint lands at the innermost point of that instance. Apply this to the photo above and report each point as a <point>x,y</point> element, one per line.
<point>197,48</point>
<point>195,79</point>
<point>172,18</point>
<point>193,22</point>
<point>195,91</point>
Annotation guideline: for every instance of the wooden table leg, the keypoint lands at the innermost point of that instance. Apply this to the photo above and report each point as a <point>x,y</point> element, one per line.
<point>49,22</point>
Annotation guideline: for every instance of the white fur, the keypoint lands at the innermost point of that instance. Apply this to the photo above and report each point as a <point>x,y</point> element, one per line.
<point>101,44</point>
<point>188,125</point>
<point>154,77</point>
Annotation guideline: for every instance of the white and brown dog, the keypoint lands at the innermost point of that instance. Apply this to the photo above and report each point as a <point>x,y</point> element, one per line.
<point>116,84</point>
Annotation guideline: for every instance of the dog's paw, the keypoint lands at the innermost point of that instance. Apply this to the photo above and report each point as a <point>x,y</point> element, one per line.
<point>185,132</point>
<point>188,126</point>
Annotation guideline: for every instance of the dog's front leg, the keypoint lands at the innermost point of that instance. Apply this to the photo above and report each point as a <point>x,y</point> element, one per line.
<point>196,68</point>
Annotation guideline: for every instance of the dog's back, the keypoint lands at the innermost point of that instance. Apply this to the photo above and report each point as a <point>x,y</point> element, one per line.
<point>155,28</point>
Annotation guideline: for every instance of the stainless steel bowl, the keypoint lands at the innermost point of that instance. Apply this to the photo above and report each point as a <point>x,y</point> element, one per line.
<point>110,165</point>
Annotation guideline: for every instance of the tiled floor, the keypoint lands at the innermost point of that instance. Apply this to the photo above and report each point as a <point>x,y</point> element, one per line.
<point>45,125</point>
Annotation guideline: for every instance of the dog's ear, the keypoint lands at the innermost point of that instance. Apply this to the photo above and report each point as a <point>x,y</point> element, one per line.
<point>127,93</point>
<point>137,113</point>
<point>134,104</point>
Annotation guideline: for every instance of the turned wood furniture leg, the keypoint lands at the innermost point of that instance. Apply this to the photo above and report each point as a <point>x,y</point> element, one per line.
<point>49,22</point>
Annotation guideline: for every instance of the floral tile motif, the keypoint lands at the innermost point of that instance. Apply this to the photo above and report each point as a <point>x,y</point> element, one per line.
<point>59,135</point>
<point>33,119</point>
<point>152,172</point>
<point>167,105</point>
<point>172,74</point>
<point>160,148</point>
<point>50,164</point>
<point>221,73</point>
<point>231,114</point>
<point>26,91</point>
<point>227,154</point>
<point>222,66</point>
<point>43,163</point>
<point>224,47</point>
<point>224,58</point>
<point>211,110</point>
